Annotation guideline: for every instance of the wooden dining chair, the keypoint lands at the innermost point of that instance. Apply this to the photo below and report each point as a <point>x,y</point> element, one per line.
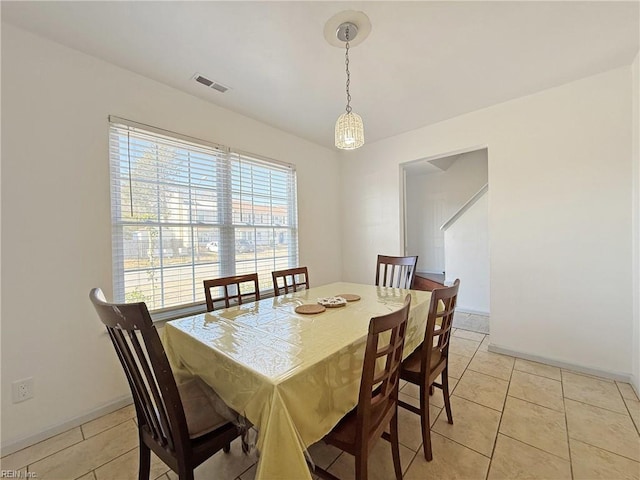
<point>431,359</point>
<point>292,279</point>
<point>243,288</point>
<point>397,272</point>
<point>183,424</point>
<point>377,406</point>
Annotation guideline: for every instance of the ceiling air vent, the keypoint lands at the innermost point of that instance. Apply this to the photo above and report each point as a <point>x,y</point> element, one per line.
<point>210,83</point>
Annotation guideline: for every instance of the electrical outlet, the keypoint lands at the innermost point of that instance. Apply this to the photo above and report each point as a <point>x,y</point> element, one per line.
<point>22,390</point>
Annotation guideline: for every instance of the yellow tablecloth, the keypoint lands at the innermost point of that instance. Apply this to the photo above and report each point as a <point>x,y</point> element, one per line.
<point>293,376</point>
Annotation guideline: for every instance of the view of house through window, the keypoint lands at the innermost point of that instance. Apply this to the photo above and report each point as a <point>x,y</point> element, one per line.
<point>184,211</point>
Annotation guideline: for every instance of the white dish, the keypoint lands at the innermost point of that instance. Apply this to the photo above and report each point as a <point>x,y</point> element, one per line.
<point>332,302</point>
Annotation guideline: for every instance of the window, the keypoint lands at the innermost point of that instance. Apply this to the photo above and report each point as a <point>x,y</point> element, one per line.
<point>184,210</point>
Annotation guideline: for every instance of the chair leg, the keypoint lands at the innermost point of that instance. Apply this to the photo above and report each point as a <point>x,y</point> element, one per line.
<point>361,465</point>
<point>226,448</point>
<point>395,446</point>
<point>445,394</point>
<point>185,473</point>
<point>145,462</point>
<point>424,419</point>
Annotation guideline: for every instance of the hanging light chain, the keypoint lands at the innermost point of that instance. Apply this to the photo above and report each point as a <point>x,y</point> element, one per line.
<point>346,62</point>
<point>349,131</point>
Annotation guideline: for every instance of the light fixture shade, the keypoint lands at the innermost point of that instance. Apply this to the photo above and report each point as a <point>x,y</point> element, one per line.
<point>349,131</point>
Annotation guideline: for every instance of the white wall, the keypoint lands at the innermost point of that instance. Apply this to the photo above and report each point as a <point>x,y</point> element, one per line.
<point>467,257</point>
<point>425,200</point>
<point>463,179</point>
<point>432,199</point>
<point>559,216</point>
<point>635,87</point>
<point>56,215</point>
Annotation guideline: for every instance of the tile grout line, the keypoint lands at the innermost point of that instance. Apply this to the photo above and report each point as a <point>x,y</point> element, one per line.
<point>480,404</point>
<point>588,375</point>
<point>410,464</point>
<point>46,439</point>
<point>569,438</point>
<point>405,470</point>
<point>617,454</point>
<point>544,406</point>
<point>82,435</point>
<point>582,402</point>
<point>432,432</point>
<point>537,374</point>
<point>566,424</point>
<point>134,418</point>
<point>635,399</point>
<point>628,410</point>
<point>52,453</point>
<point>464,446</point>
<point>443,410</point>
<point>335,460</point>
<point>488,374</point>
<point>536,404</point>
<point>504,403</point>
<point>536,448</point>
<point>101,465</point>
<point>92,472</point>
<point>245,470</point>
<point>118,456</point>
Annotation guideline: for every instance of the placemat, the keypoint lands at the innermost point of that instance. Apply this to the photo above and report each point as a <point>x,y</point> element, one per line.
<point>310,308</point>
<point>349,297</point>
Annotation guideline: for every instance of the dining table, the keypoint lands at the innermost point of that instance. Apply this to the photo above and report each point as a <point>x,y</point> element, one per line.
<point>292,375</point>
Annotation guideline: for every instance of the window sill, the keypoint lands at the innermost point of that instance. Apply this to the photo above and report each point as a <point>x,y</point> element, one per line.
<point>160,317</point>
<point>178,312</point>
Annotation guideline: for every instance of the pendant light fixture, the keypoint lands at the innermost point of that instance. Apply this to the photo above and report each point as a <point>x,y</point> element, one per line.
<point>349,126</point>
<point>345,30</point>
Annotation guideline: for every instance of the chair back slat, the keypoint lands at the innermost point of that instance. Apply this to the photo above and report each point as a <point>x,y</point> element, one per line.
<point>388,351</point>
<point>379,389</point>
<point>138,395</point>
<point>244,286</point>
<point>163,433</point>
<point>139,388</point>
<point>140,351</point>
<point>292,279</point>
<point>442,306</point>
<point>396,272</point>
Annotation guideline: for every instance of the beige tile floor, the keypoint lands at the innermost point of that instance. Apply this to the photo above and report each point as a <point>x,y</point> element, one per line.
<point>513,419</point>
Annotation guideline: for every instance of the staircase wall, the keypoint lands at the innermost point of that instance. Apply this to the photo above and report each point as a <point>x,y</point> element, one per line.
<point>466,250</point>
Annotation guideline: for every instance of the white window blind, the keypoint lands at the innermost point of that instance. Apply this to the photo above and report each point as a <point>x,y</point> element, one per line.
<point>185,210</point>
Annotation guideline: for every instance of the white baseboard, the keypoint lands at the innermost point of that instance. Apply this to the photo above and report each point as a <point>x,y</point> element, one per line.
<point>472,311</point>
<point>621,377</point>
<point>13,445</point>
<point>635,383</point>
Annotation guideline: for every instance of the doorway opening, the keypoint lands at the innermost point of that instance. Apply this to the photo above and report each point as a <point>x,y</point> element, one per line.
<point>445,223</point>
